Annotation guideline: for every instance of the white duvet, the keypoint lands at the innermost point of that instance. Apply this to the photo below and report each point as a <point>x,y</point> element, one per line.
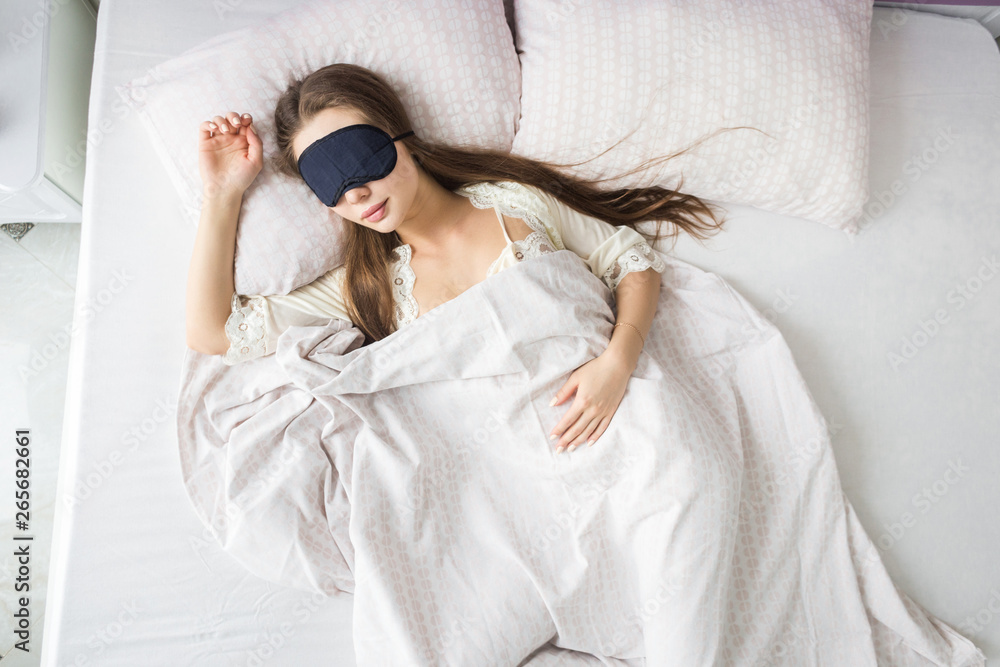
<point>706,527</point>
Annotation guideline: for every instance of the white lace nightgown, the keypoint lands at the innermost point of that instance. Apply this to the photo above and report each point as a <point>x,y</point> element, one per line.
<point>611,252</point>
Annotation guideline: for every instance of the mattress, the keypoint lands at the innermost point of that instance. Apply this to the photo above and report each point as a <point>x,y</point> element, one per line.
<point>136,579</point>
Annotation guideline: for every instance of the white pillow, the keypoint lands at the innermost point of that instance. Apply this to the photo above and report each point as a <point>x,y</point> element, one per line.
<point>680,70</point>
<point>452,64</point>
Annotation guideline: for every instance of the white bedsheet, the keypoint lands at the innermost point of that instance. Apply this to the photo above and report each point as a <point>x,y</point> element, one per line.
<point>707,527</point>
<point>135,580</point>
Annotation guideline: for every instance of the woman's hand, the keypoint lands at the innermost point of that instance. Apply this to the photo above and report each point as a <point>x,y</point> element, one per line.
<point>230,154</point>
<point>600,385</point>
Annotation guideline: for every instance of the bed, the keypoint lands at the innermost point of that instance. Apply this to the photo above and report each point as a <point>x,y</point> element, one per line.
<point>894,333</point>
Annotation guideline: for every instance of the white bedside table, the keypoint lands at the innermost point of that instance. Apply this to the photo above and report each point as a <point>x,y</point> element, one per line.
<point>44,94</point>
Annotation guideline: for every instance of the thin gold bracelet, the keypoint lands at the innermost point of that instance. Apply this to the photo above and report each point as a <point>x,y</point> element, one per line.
<point>636,330</point>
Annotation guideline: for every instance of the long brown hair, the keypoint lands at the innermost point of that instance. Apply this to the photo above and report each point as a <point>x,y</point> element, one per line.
<point>368,253</point>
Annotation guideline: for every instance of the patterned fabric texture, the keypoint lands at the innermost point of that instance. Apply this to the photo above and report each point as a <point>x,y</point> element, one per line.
<point>706,526</point>
<point>664,75</point>
<point>453,65</point>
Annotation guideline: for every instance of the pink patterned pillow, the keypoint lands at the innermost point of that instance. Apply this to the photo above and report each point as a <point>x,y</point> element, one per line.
<point>679,71</point>
<point>453,65</point>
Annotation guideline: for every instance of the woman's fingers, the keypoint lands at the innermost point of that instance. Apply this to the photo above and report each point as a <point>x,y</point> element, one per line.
<point>205,130</point>
<point>230,123</point>
<point>578,420</point>
<point>583,433</point>
<point>255,148</point>
<point>602,427</point>
<point>567,438</point>
<point>221,123</point>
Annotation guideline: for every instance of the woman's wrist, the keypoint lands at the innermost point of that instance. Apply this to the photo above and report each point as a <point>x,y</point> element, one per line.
<point>625,346</point>
<point>222,210</point>
<point>221,198</point>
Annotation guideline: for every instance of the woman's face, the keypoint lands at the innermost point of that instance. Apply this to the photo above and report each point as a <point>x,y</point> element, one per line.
<point>397,190</point>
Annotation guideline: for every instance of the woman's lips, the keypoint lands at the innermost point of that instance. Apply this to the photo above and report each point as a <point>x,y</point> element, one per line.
<point>374,211</point>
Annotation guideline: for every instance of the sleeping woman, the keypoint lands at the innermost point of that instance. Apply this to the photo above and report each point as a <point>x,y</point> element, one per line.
<point>425,222</point>
<point>713,532</point>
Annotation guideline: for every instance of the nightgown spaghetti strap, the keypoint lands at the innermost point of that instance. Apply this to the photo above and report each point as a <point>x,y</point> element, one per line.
<point>496,210</point>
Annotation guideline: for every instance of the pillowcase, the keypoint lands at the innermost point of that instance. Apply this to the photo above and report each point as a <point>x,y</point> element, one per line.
<point>452,64</point>
<point>678,71</point>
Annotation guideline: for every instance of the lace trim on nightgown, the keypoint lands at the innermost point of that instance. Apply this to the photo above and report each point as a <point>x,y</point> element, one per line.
<point>639,257</point>
<point>512,199</point>
<point>534,244</point>
<point>402,286</point>
<point>245,330</point>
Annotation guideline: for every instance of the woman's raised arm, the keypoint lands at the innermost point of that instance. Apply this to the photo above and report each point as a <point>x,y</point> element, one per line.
<point>230,155</point>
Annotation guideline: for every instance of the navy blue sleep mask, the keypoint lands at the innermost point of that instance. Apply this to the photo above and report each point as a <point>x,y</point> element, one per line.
<point>347,158</point>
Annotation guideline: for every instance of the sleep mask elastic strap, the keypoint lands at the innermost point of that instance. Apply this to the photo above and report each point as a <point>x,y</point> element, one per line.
<point>347,158</point>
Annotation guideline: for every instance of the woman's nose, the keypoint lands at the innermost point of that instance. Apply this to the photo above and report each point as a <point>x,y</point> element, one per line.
<point>357,195</point>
